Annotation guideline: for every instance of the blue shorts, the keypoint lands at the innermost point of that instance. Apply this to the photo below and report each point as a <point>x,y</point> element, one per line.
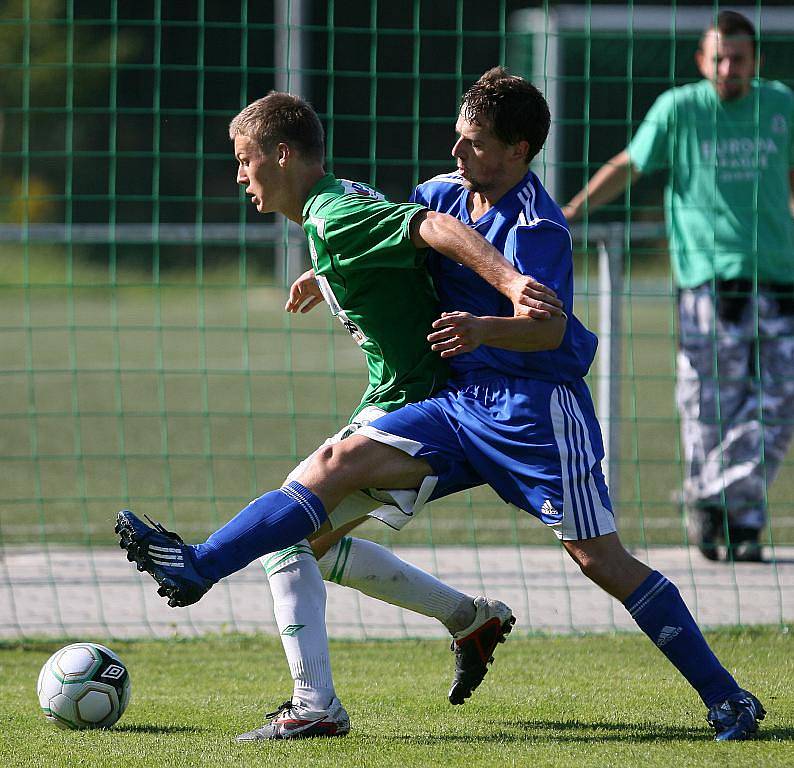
<point>536,443</point>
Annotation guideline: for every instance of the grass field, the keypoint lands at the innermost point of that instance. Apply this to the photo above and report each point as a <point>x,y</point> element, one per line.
<point>188,395</point>
<point>597,701</point>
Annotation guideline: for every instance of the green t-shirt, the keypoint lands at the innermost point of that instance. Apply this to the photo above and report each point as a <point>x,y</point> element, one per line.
<point>374,280</point>
<point>727,195</point>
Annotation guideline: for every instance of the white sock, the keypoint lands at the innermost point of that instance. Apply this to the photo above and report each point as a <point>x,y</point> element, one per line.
<point>299,606</point>
<point>378,572</point>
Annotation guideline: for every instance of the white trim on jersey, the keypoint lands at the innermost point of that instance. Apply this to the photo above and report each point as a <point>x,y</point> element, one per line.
<point>357,188</point>
<point>453,178</point>
<point>584,516</point>
<point>527,196</point>
<point>523,222</point>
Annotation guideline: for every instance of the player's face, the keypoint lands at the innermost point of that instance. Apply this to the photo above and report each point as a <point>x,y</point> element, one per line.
<point>484,162</point>
<point>260,172</point>
<point>728,62</point>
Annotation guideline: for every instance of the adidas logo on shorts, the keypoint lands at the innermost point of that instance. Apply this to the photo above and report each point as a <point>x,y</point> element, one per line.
<point>548,508</point>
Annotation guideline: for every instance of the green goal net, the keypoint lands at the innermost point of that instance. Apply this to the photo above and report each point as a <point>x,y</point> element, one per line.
<point>145,358</point>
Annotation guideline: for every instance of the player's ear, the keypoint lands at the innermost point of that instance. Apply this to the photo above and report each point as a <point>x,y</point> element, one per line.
<point>283,153</point>
<point>521,150</point>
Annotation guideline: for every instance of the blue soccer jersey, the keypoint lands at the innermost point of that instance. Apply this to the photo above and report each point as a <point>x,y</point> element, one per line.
<point>522,422</point>
<point>527,226</point>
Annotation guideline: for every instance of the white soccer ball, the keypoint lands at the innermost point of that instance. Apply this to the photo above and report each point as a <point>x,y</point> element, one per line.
<point>83,685</point>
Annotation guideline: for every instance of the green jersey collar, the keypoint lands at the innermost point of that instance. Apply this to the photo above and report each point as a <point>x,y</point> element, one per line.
<point>325,182</point>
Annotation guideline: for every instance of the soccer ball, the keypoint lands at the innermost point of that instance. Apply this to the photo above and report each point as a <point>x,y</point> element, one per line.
<point>83,685</point>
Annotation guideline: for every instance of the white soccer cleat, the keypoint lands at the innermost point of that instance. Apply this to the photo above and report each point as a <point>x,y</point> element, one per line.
<point>474,646</point>
<point>293,720</point>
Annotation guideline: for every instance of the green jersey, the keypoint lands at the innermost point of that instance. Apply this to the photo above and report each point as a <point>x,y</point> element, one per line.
<point>727,196</point>
<point>374,280</point>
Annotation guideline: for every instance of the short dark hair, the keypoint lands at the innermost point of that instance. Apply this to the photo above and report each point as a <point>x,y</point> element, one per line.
<point>281,117</point>
<point>733,24</point>
<point>512,107</point>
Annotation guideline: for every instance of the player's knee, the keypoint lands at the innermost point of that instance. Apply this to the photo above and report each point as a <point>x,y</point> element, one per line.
<point>588,564</point>
<point>590,557</point>
<point>336,463</point>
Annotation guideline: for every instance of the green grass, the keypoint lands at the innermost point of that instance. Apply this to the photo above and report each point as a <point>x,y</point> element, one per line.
<point>187,395</point>
<point>597,700</point>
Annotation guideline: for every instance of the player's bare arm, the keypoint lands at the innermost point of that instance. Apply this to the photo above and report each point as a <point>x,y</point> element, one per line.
<point>451,238</point>
<point>304,293</point>
<point>607,183</point>
<point>459,332</point>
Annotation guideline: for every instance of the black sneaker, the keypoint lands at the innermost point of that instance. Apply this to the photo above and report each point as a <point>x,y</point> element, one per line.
<point>737,717</point>
<point>474,646</point>
<point>704,527</point>
<point>744,545</point>
<point>164,556</point>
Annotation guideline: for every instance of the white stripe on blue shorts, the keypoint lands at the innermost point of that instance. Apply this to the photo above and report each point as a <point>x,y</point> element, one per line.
<point>583,514</point>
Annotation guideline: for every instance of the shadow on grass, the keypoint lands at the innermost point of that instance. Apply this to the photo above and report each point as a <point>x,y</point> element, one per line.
<point>775,734</point>
<point>148,728</point>
<point>573,731</point>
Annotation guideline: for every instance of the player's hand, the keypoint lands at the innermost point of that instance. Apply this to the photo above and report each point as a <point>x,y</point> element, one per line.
<point>533,299</point>
<point>570,213</point>
<point>456,333</point>
<point>304,294</point>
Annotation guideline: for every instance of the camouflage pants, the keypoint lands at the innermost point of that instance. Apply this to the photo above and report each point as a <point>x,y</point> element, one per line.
<point>735,395</point>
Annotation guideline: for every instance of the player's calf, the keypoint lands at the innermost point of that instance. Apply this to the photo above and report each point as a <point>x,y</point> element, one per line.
<point>474,646</point>
<point>164,556</point>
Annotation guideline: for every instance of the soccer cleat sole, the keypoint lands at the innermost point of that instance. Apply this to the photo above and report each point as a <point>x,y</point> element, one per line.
<point>321,731</point>
<point>287,724</point>
<point>135,554</point>
<point>463,689</point>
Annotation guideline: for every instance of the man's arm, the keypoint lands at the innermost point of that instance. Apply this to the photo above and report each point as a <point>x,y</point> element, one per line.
<point>452,238</point>
<point>609,181</point>
<point>459,332</point>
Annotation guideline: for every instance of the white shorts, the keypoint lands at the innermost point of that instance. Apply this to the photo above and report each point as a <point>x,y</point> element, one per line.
<point>395,508</point>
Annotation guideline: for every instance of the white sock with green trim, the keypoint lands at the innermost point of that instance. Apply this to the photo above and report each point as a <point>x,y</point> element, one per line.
<point>378,572</point>
<point>299,607</point>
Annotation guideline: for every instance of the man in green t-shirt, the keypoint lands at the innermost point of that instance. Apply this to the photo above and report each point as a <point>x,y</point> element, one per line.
<point>727,144</point>
<point>368,265</point>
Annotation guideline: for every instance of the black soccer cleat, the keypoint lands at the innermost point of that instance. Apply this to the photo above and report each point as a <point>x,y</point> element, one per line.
<point>737,718</point>
<point>744,545</point>
<point>474,646</point>
<point>164,556</point>
<point>705,529</point>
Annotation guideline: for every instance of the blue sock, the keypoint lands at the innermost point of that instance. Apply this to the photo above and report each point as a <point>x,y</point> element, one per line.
<point>273,521</point>
<point>659,611</point>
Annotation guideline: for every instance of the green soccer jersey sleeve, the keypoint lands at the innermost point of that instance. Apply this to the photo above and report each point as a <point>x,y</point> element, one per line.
<point>649,150</point>
<point>365,233</point>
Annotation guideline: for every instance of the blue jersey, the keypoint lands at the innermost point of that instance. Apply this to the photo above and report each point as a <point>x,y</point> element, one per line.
<point>527,226</point>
